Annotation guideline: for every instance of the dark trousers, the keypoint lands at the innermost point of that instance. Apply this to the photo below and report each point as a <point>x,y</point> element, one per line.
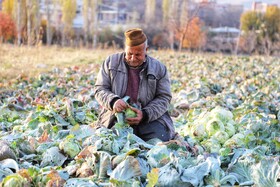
<point>154,129</point>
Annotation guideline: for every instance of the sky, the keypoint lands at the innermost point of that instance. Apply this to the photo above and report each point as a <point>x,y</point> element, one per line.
<point>248,3</point>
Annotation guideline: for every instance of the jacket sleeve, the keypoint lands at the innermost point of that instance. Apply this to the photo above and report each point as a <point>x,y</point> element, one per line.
<point>103,87</point>
<point>159,105</point>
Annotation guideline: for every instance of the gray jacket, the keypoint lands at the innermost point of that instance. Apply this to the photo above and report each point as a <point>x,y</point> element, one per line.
<point>154,90</point>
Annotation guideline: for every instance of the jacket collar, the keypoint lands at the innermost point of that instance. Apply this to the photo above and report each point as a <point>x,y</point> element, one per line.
<point>150,65</point>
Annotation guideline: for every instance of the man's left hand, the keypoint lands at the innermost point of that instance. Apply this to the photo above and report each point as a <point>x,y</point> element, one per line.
<point>137,119</point>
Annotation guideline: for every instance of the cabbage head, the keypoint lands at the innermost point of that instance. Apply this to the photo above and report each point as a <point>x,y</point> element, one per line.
<point>214,126</point>
<point>236,140</point>
<point>221,136</point>
<point>212,145</point>
<point>198,131</point>
<point>129,113</point>
<point>70,146</point>
<point>221,113</point>
<point>14,180</point>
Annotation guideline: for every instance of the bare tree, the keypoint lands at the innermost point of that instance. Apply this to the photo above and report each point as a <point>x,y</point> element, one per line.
<point>150,11</point>
<point>187,15</point>
<point>32,9</point>
<point>90,13</point>
<point>19,21</point>
<point>49,34</point>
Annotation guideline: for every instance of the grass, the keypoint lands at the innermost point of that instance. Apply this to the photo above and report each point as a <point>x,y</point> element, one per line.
<point>31,61</point>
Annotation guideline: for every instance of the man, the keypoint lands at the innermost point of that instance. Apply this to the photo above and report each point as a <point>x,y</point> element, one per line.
<point>145,80</point>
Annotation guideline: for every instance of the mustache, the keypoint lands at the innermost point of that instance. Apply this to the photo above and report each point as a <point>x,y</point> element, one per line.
<point>133,61</point>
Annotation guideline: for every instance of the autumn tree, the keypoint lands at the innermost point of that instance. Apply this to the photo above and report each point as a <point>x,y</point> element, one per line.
<point>68,14</point>
<point>177,16</point>
<point>170,18</point>
<point>271,38</point>
<point>8,7</point>
<point>150,11</point>
<point>32,9</point>
<point>7,27</point>
<point>251,21</point>
<point>13,9</point>
<point>90,14</point>
<point>25,15</point>
<point>265,27</point>
<point>272,22</point>
<point>194,37</point>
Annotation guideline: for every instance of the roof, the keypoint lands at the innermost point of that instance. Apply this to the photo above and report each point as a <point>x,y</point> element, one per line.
<point>224,30</point>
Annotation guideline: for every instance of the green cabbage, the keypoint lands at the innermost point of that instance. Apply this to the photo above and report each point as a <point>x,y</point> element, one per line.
<point>129,113</point>
<point>70,146</point>
<point>14,180</point>
<point>214,126</point>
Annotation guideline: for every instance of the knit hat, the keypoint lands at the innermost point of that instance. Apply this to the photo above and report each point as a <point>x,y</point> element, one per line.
<point>134,37</point>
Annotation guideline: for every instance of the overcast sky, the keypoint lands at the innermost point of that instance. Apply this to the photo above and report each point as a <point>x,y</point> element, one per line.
<point>248,2</point>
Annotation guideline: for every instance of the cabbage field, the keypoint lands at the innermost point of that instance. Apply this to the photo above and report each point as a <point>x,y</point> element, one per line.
<point>226,111</point>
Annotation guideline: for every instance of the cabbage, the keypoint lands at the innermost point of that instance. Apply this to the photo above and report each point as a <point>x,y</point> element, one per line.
<point>229,128</point>
<point>221,136</point>
<point>80,182</point>
<point>222,114</point>
<point>52,157</point>
<point>212,145</point>
<point>127,169</point>
<point>236,140</point>
<point>198,131</point>
<point>214,126</point>
<point>14,180</point>
<point>70,146</point>
<point>129,113</point>
<point>158,156</point>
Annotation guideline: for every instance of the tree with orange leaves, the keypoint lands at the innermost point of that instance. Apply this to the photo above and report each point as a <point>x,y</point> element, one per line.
<point>194,37</point>
<point>7,28</point>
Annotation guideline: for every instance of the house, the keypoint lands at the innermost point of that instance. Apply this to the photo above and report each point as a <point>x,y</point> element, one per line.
<point>222,39</point>
<point>261,7</point>
<point>109,13</point>
<point>214,14</point>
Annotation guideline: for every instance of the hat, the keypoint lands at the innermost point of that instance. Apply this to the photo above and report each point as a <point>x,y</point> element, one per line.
<point>134,37</point>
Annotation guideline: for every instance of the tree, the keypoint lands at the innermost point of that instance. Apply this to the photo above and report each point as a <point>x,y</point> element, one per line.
<point>49,34</point>
<point>8,7</point>
<point>194,37</point>
<point>272,22</point>
<point>251,21</point>
<point>170,18</point>
<point>165,11</point>
<point>25,15</point>
<point>32,7</point>
<point>265,27</point>
<point>177,15</point>
<point>248,42</point>
<point>150,11</point>
<point>90,14</point>
<point>68,14</point>
<point>7,27</point>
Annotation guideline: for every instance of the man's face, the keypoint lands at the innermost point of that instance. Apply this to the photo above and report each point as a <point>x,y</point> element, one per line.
<point>135,55</point>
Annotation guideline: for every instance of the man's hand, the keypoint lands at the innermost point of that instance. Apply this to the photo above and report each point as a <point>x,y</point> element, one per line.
<point>137,119</point>
<point>119,105</point>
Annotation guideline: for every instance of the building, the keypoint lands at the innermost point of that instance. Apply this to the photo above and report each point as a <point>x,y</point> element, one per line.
<point>214,14</point>
<point>222,39</point>
<point>261,7</point>
<point>109,13</point>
